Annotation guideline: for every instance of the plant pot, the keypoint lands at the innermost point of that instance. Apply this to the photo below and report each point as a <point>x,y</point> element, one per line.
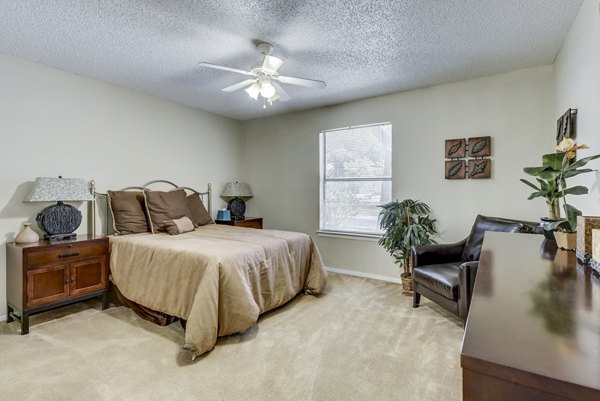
<point>548,233</point>
<point>406,282</point>
<point>567,241</point>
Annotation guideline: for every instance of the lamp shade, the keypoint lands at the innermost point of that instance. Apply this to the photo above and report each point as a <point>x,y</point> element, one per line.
<point>236,190</point>
<point>51,189</point>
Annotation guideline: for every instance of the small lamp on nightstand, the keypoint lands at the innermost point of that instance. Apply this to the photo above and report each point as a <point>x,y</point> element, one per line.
<point>59,221</point>
<point>236,194</point>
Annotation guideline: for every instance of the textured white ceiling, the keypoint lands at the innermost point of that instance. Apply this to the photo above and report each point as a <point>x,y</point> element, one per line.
<point>361,48</point>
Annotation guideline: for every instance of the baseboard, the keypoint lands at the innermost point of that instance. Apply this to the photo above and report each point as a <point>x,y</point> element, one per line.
<point>3,318</point>
<point>365,275</point>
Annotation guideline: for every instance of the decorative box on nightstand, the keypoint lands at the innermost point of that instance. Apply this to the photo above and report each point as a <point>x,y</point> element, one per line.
<point>250,222</point>
<point>46,275</point>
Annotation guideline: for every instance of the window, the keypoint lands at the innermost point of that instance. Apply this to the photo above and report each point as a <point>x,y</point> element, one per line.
<point>356,177</point>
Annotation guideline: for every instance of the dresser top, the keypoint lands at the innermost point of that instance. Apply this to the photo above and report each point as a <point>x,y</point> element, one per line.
<point>534,310</point>
<point>45,243</point>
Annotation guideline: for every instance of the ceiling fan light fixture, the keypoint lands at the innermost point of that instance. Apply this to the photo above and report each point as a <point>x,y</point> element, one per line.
<point>253,90</point>
<point>264,79</point>
<point>267,90</point>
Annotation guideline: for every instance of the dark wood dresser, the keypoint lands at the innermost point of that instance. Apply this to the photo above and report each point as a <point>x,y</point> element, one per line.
<point>46,275</point>
<point>533,330</point>
<point>249,222</point>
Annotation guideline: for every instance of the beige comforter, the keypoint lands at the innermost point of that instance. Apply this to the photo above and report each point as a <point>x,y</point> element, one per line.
<point>219,278</point>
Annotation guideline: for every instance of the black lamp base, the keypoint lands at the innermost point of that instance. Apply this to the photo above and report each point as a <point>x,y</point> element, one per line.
<point>237,207</point>
<point>59,222</point>
<point>60,237</point>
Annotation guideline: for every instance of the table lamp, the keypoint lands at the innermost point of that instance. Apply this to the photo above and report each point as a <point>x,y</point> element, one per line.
<point>59,221</point>
<point>236,194</point>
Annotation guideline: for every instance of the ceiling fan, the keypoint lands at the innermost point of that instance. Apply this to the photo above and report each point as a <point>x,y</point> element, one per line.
<point>265,80</point>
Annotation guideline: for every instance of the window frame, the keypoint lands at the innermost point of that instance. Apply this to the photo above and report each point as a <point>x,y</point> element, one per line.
<point>323,180</point>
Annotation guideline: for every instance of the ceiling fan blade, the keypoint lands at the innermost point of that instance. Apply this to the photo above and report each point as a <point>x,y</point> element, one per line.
<point>239,85</point>
<point>271,64</point>
<point>311,83</point>
<point>221,67</point>
<point>283,96</point>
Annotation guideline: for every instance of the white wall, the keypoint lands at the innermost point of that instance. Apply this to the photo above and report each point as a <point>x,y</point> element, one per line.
<point>516,109</point>
<point>55,123</point>
<point>578,86</point>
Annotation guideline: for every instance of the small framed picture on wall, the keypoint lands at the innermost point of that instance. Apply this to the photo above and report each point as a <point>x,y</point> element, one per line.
<point>566,125</point>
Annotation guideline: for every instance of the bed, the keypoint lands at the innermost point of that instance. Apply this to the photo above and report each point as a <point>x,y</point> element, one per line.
<point>217,278</point>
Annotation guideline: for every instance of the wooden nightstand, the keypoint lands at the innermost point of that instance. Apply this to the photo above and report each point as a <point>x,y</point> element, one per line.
<point>250,222</point>
<point>46,275</point>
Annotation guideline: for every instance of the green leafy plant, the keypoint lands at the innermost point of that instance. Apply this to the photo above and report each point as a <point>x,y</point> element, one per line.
<point>552,183</point>
<point>405,224</point>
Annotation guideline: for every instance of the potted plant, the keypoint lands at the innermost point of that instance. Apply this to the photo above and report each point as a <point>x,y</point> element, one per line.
<point>405,224</point>
<point>552,185</point>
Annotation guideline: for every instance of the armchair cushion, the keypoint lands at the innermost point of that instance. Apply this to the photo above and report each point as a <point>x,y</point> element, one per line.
<point>439,253</point>
<point>440,278</point>
<point>472,248</point>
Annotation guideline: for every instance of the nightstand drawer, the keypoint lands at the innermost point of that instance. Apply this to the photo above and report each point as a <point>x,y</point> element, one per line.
<point>248,222</point>
<point>254,223</point>
<point>66,254</point>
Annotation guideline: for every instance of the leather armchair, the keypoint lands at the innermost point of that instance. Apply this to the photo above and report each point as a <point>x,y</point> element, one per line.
<point>445,273</point>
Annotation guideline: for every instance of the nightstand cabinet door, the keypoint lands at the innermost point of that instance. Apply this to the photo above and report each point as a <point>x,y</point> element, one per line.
<point>47,285</point>
<point>88,276</point>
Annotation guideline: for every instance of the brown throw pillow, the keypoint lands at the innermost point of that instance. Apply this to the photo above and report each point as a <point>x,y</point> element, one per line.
<point>163,206</point>
<point>179,226</point>
<point>200,216</point>
<point>128,211</point>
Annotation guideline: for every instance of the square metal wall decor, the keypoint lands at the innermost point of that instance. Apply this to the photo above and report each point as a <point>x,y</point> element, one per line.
<point>455,170</point>
<point>566,125</point>
<point>455,148</point>
<point>480,168</point>
<point>480,146</point>
<point>468,158</point>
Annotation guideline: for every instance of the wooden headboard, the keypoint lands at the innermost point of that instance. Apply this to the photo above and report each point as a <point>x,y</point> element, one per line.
<point>205,196</point>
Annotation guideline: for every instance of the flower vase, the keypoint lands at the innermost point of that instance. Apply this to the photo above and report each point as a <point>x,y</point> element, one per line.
<point>27,235</point>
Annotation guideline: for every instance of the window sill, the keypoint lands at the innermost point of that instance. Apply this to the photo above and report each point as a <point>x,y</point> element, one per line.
<point>346,235</point>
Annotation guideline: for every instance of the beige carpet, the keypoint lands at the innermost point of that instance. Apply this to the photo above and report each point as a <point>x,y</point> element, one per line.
<point>361,340</point>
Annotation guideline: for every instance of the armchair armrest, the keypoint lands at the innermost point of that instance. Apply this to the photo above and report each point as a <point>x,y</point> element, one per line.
<point>466,280</point>
<point>423,255</point>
